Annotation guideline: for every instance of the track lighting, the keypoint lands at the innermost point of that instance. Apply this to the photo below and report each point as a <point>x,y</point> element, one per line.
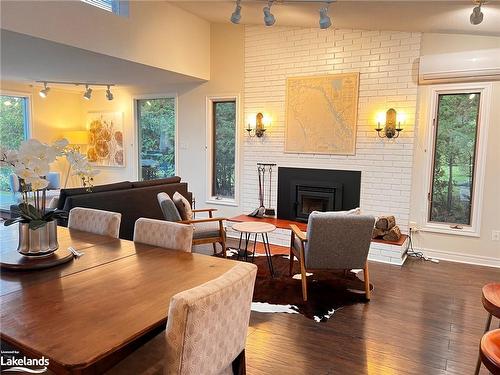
<point>324,20</point>
<point>236,16</point>
<point>88,92</point>
<point>43,92</point>
<point>269,19</point>
<point>109,94</point>
<point>476,16</point>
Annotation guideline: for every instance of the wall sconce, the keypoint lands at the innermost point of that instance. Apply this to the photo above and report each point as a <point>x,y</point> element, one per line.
<point>392,124</point>
<point>259,128</point>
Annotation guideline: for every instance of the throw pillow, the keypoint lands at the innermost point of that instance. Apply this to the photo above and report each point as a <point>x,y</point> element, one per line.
<point>170,212</point>
<point>183,206</point>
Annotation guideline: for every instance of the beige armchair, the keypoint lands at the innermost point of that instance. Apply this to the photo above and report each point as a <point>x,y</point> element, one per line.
<point>333,241</point>
<point>208,230</point>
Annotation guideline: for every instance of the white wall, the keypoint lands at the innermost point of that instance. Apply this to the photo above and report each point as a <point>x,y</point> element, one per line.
<point>480,250</point>
<point>156,33</point>
<point>227,56</point>
<point>387,65</point>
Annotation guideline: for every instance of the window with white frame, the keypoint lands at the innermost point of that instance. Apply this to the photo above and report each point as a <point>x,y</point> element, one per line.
<point>222,146</point>
<point>457,150</point>
<point>119,7</point>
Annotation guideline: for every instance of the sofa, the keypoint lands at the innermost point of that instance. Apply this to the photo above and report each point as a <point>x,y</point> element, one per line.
<point>132,199</point>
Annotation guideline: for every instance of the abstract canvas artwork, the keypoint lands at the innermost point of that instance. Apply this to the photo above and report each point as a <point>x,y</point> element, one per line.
<point>321,114</point>
<point>105,146</point>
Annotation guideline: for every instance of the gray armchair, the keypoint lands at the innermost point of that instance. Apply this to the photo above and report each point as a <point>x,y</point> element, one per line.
<point>208,230</point>
<point>333,240</point>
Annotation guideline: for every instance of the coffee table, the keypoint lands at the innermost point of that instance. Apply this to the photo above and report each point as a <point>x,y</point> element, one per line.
<point>255,228</point>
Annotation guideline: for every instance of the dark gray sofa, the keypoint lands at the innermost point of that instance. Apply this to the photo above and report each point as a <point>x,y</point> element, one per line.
<point>132,199</point>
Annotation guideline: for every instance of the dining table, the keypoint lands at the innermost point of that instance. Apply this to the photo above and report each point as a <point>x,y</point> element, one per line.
<point>86,315</point>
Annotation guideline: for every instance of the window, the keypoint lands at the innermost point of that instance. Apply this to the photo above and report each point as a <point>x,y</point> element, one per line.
<point>14,128</point>
<point>156,120</point>
<point>457,163</point>
<point>119,7</point>
<point>223,144</point>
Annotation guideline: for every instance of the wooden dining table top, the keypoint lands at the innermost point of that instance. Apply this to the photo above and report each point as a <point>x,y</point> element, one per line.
<point>80,314</point>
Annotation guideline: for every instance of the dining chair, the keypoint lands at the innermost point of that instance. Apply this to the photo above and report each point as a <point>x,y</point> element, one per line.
<point>163,234</point>
<point>197,339</point>
<point>209,230</point>
<point>333,241</point>
<point>101,222</point>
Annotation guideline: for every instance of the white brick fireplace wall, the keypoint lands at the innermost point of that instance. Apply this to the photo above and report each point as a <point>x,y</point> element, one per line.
<point>388,66</point>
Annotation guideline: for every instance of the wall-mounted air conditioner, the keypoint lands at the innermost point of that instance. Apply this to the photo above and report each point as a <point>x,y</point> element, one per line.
<point>481,65</point>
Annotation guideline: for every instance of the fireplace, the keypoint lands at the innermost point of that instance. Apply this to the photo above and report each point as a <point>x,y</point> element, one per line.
<point>315,198</point>
<point>302,190</point>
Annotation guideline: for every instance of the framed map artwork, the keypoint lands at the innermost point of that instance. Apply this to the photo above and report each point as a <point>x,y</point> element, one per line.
<point>321,114</point>
<point>105,146</point>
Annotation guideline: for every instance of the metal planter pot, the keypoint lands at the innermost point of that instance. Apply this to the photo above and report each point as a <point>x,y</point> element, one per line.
<point>41,241</point>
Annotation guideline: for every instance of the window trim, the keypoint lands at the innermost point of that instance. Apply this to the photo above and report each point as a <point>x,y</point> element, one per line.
<point>136,137</point>
<point>29,109</point>
<point>210,148</point>
<point>472,230</point>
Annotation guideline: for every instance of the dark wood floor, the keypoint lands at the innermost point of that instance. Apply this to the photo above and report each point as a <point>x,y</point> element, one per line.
<point>424,318</point>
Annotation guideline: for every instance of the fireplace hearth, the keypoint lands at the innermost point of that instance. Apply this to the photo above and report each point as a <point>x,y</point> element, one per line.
<point>303,190</point>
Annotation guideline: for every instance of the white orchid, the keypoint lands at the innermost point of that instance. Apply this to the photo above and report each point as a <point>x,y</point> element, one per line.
<point>32,163</point>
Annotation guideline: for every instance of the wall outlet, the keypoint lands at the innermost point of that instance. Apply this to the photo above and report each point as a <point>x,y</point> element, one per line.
<point>414,226</point>
<point>495,235</point>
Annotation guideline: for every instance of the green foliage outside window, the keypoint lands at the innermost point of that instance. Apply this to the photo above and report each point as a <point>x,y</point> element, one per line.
<point>224,149</point>
<point>156,118</point>
<point>12,129</point>
<point>455,145</point>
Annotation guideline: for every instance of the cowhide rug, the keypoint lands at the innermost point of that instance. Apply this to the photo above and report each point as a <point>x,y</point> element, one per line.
<point>327,290</point>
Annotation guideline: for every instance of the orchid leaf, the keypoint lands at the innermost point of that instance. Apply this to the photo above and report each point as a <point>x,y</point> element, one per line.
<point>13,221</point>
<point>36,224</point>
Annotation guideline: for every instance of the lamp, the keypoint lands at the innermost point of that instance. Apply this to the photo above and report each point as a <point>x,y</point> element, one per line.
<point>236,16</point>
<point>477,16</point>
<point>88,92</point>
<point>392,125</point>
<point>324,20</point>
<point>76,138</point>
<point>259,129</point>
<point>269,19</point>
<point>43,92</point>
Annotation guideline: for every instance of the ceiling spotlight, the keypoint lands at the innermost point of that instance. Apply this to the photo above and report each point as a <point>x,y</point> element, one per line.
<point>269,19</point>
<point>324,20</point>
<point>236,16</point>
<point>476,16</point>
<point>88,92</point>
<point>43,92</point>
<point>109,94</point>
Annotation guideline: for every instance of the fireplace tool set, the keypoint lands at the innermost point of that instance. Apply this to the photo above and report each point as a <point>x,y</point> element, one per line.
<point>264,169</point>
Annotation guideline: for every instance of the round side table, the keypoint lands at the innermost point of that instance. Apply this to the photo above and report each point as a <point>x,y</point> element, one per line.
<point>251,227</point>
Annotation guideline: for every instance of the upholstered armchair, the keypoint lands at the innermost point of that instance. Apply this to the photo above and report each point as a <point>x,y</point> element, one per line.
<point>334,240</point>
<point>209,230</point>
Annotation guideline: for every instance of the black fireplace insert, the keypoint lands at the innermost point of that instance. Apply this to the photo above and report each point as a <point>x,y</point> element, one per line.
<point>302,190</point>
